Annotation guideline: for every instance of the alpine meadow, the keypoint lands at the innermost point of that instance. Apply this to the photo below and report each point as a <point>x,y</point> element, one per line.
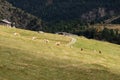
<point>59,40</point>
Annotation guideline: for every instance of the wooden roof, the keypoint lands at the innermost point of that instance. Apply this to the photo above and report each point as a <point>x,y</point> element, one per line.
<point>6,21</point>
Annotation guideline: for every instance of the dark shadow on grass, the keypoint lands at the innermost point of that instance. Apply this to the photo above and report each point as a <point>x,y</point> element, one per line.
<point>15,67</point>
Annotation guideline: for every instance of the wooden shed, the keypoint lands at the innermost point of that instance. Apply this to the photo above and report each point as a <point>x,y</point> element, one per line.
<point>5,22</point>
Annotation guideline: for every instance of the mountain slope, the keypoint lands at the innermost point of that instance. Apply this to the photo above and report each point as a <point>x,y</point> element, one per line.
<point>20,17</point>
<point>57,10</point>
<point>22,58</point>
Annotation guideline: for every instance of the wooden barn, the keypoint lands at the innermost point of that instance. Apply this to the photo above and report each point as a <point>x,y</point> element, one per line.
<point>5,22</point>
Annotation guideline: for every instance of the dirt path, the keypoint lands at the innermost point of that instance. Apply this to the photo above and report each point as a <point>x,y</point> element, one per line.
<point>73,41</point>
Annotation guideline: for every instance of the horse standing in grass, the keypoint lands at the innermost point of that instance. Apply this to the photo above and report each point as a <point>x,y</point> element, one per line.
<point>33,38</point>
<point>58,43</point>
<point>82,49</point>
<point>16,34</point>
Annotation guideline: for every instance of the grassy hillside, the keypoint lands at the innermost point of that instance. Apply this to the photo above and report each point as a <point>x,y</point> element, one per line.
<point>22,58</point>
